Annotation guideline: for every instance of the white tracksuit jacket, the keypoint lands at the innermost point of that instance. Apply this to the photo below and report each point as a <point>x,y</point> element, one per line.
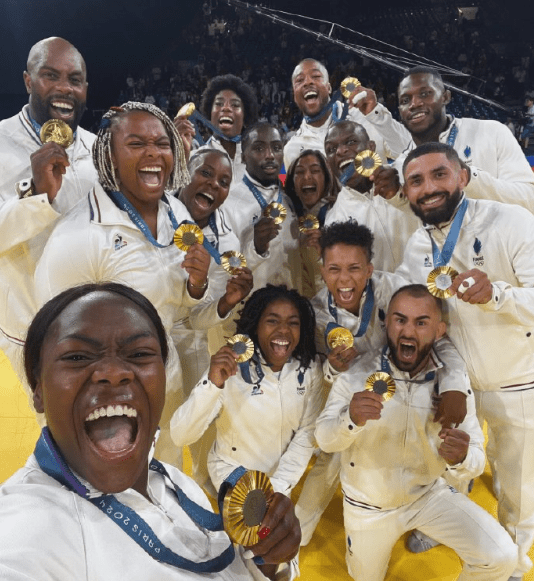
<point>499,169</point>
<point>26,224</point>
<point>268,428</point>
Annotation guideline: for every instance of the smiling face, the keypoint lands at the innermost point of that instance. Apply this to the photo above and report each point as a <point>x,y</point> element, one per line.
<point>142,156</point>
<point>342,143</point>
<point>228,113</point>
<point>211,176</point>
<point>309,180</point>
<point>433,186</point>
<point>278,332</point>
<point>422,101</point>
<point>311,89</point>
<point>346,270</point>
<point>57,84</point>
<point>263,154</point>
<point>101,385</point>
<point>413,325</point>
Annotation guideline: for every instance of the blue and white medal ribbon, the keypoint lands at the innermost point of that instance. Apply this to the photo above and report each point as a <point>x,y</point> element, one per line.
<point>442,258</point>
<point>258,195</point>
<point>120,200</point>
<point>52,463</point>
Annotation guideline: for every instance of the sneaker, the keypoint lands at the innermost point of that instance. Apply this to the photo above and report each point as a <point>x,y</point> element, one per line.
<point>418,542</point>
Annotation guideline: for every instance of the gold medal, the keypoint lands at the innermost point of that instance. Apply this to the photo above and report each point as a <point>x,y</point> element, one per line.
<point>245,506</point>
<point>57,131</point>
<point>340,336</point>
<point>242,346</point>
<point>308,222</point>
<point>348,86</point>
<point>366,162</point>
<point>186,110</point>
<point>381,383</point>
<point>275,211</point>
<point>187,235</point>
<point>232,260</point>
<point>440,280</point>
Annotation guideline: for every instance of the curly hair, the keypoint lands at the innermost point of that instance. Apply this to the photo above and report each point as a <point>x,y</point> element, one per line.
<point>248,321</point>
<point>102,146</point>
<point>239,87</point>
<point>350,233</point>
<point>329,182</point>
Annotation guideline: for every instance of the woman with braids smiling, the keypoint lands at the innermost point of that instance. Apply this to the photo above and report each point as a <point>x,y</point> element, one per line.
<point>123,231</point>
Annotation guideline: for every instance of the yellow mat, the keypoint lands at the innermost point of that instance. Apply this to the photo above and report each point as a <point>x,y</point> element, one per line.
<point>322,559</point>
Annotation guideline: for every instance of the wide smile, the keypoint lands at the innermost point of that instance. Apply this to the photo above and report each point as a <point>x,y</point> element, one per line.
<point>226,122</point>
<point>343,165</point>
<point>62,109</point>
<point>433,201</point>
<point>112,431</point>
<point>418,117</point>
<point>407,350</point>
<point>152,176</point>
<point>280,348</point>
<point>204,201</point>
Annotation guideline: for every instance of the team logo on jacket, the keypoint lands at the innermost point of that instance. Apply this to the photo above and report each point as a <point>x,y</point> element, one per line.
<point>301,390</point>
<point>119,242</point>
<point>467,152</point>
<point>257,390</point>
<point>478,260</point>
<point>428,264</point>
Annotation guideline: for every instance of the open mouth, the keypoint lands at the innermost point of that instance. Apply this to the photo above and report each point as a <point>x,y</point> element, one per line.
<point>280,347</point>
<point>226,121</point>
<point>204,200</point>
<point>309,190</point>
<point>431,201</point>
<point>345,295</point>
<point>343,165</point>
<point>62,109</point>
<point>418,116</point>
<point>151,175</point>
<point>407,351</point>
<point>112,429</point>
<point>310,96</point>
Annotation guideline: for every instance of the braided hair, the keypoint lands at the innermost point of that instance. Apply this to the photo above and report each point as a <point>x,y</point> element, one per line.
<point>102,146</point>
<point>249,319</point>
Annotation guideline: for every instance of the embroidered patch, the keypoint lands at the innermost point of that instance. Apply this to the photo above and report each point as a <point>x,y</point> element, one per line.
<point>301,390</point>
<point>119,242</point>
<point>478,260</point>
<point>256,390</point>
<point>467,152</point>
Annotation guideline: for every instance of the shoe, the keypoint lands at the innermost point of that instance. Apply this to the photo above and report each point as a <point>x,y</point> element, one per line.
<point>418,542</point>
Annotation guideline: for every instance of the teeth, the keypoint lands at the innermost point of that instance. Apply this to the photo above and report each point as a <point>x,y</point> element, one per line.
<point>110,411</point>
<point>345,163</point>
<point>310,94</point>
<point>226,120</point>
<point>418,115</point>
<point>62,105</point>
<point>209,196</point>
<point>345,290</point>
<point>151,168</point>
<point>281,341</point>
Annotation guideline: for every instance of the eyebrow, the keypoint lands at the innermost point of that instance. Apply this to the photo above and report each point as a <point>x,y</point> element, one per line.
<point>71,74</point>
<point>98,344</point>
<point>406,316</point>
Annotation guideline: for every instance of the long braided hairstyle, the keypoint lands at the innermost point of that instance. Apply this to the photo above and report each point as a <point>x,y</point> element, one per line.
<point>102,146</point>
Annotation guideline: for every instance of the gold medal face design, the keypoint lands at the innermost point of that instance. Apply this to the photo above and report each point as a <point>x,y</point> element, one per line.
<point>440,280</point>
<point>348,86</point>
<point>308,222</point>
<point>366,162</point>
<point>242,346</point>
<point>187,235</point>
<point>275,211</point>
<point>232,260</point>
<point>340,336</point>
<point>186,110</point>
<point>381,383</point>
<point>245,505</point>
<point>57,131</point>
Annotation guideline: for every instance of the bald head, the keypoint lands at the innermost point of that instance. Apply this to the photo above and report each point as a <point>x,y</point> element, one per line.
<point>56,80</point>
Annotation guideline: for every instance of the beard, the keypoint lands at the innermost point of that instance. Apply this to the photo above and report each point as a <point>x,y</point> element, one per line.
<point>41,109</point>
<point>442,214</point>
<point>422,355</point>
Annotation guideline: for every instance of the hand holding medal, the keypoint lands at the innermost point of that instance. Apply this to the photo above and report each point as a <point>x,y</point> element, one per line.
<point>473,286</point>
<point>189,238</point>
<point>367,405</point>
<point>57,131</point>
<point>340,341</point>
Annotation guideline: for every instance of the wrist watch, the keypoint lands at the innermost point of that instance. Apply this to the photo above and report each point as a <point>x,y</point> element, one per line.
<point>24,188</point>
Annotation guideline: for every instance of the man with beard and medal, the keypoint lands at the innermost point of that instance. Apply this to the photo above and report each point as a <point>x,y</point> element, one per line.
<point>390,220</point>
<point>261,215</point>
<point>379,415</point>
<point>490,316</point>
<point>498,168</point>
<point>30,160</point>
<point>355,302</point>
<point>312,95</point>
